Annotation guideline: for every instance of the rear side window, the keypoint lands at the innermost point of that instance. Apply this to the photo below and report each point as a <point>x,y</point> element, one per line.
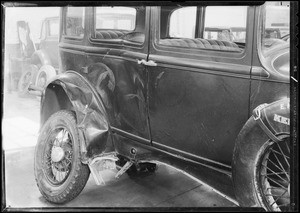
<point>115,18</point>
<point>221,28</point>
<point>75,22</point>
<point>225,23</point>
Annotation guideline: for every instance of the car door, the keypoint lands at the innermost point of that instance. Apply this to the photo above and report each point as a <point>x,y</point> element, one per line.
<point>198,88</point>
<point>118,41</point>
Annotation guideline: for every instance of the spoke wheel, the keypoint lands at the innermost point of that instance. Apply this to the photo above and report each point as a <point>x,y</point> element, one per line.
<point>59,172</point>
<point>58,156</point>
<point>24,83</point>
<point>274,176</point>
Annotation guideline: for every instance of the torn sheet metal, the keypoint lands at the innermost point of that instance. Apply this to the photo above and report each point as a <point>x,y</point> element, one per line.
<point>90,111</point>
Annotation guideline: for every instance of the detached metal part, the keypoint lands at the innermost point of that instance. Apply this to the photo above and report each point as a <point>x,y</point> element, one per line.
<point>104,162</point>
<point>100,163</point>
<point>127,165</point>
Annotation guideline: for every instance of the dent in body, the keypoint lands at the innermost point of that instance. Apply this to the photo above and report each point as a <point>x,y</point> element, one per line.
<point>123,90</point>
<point>90,112</point>
<point>119,83</point>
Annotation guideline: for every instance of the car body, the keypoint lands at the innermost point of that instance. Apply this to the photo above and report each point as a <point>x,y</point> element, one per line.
<point>142,96</point>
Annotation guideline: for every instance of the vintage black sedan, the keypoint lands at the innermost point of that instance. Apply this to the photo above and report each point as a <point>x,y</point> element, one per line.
<point>142,86</point>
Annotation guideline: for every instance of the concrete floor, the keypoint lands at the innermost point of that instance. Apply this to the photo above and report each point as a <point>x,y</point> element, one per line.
<point>165,188</point>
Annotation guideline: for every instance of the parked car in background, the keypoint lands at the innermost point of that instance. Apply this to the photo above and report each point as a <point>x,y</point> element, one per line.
<point>151,90</point>
<point>45,59</point>
<point>36,63</point>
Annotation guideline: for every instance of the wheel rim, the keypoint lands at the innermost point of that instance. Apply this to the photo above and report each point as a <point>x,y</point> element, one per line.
<point>58,156</point>
<point>26,81</point>
<point>42,80</point>
<point>275,176</point>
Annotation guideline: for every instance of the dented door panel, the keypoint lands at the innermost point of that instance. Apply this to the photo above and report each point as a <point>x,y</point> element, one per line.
<point>124,93</point>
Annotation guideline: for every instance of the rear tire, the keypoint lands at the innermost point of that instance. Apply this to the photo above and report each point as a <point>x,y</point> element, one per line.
<point>59,172</point>
<point>261,170</point>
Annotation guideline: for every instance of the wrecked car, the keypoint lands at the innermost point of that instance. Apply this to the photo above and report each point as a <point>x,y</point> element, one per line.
<point>143,86</point>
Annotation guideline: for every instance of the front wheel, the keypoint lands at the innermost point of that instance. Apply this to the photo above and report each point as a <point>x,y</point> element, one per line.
<point>59,172</point>
<point>261,169</point>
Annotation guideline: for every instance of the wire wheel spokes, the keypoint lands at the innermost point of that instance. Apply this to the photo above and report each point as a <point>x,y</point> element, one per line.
<point>275,176</point>
<point>58,156</point>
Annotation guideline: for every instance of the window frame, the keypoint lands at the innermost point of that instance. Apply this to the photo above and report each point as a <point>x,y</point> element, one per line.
<point>95,19</point>
<point>200,51</point>
<point>203,27</point>
<point>115,41</point>
<point>64,27</point>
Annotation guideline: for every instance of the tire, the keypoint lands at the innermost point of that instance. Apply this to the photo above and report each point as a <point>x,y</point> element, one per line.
<point>24,82</point>
<point>45,73</point>
<point>261,172</point>
<point>59,172</point>
<point>27,78</point>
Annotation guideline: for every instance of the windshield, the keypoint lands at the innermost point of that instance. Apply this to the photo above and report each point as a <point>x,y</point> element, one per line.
<point>275,31</point>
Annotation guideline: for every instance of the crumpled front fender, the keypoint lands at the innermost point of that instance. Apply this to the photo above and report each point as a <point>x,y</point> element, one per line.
<point>90,112</point>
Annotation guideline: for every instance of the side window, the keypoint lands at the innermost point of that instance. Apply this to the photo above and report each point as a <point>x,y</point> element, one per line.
<point>75,22</point>
<point>226,23</point>
<point>221,28</point>
<point>115,18</point>
<point>114,23</point>
<point>183,22</point>
<point>53,27</point>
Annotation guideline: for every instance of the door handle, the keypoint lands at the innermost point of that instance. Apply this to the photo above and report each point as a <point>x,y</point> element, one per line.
<point>149,63</point>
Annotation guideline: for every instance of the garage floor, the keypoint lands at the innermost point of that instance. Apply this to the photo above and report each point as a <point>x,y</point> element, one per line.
<point>165,188</point>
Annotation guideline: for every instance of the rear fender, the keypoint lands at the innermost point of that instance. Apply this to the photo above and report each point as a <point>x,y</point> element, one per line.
<point>90,112</point>
<point>274,118</point>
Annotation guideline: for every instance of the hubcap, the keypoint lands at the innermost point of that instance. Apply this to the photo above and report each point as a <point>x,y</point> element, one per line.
<point>57,154</point>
